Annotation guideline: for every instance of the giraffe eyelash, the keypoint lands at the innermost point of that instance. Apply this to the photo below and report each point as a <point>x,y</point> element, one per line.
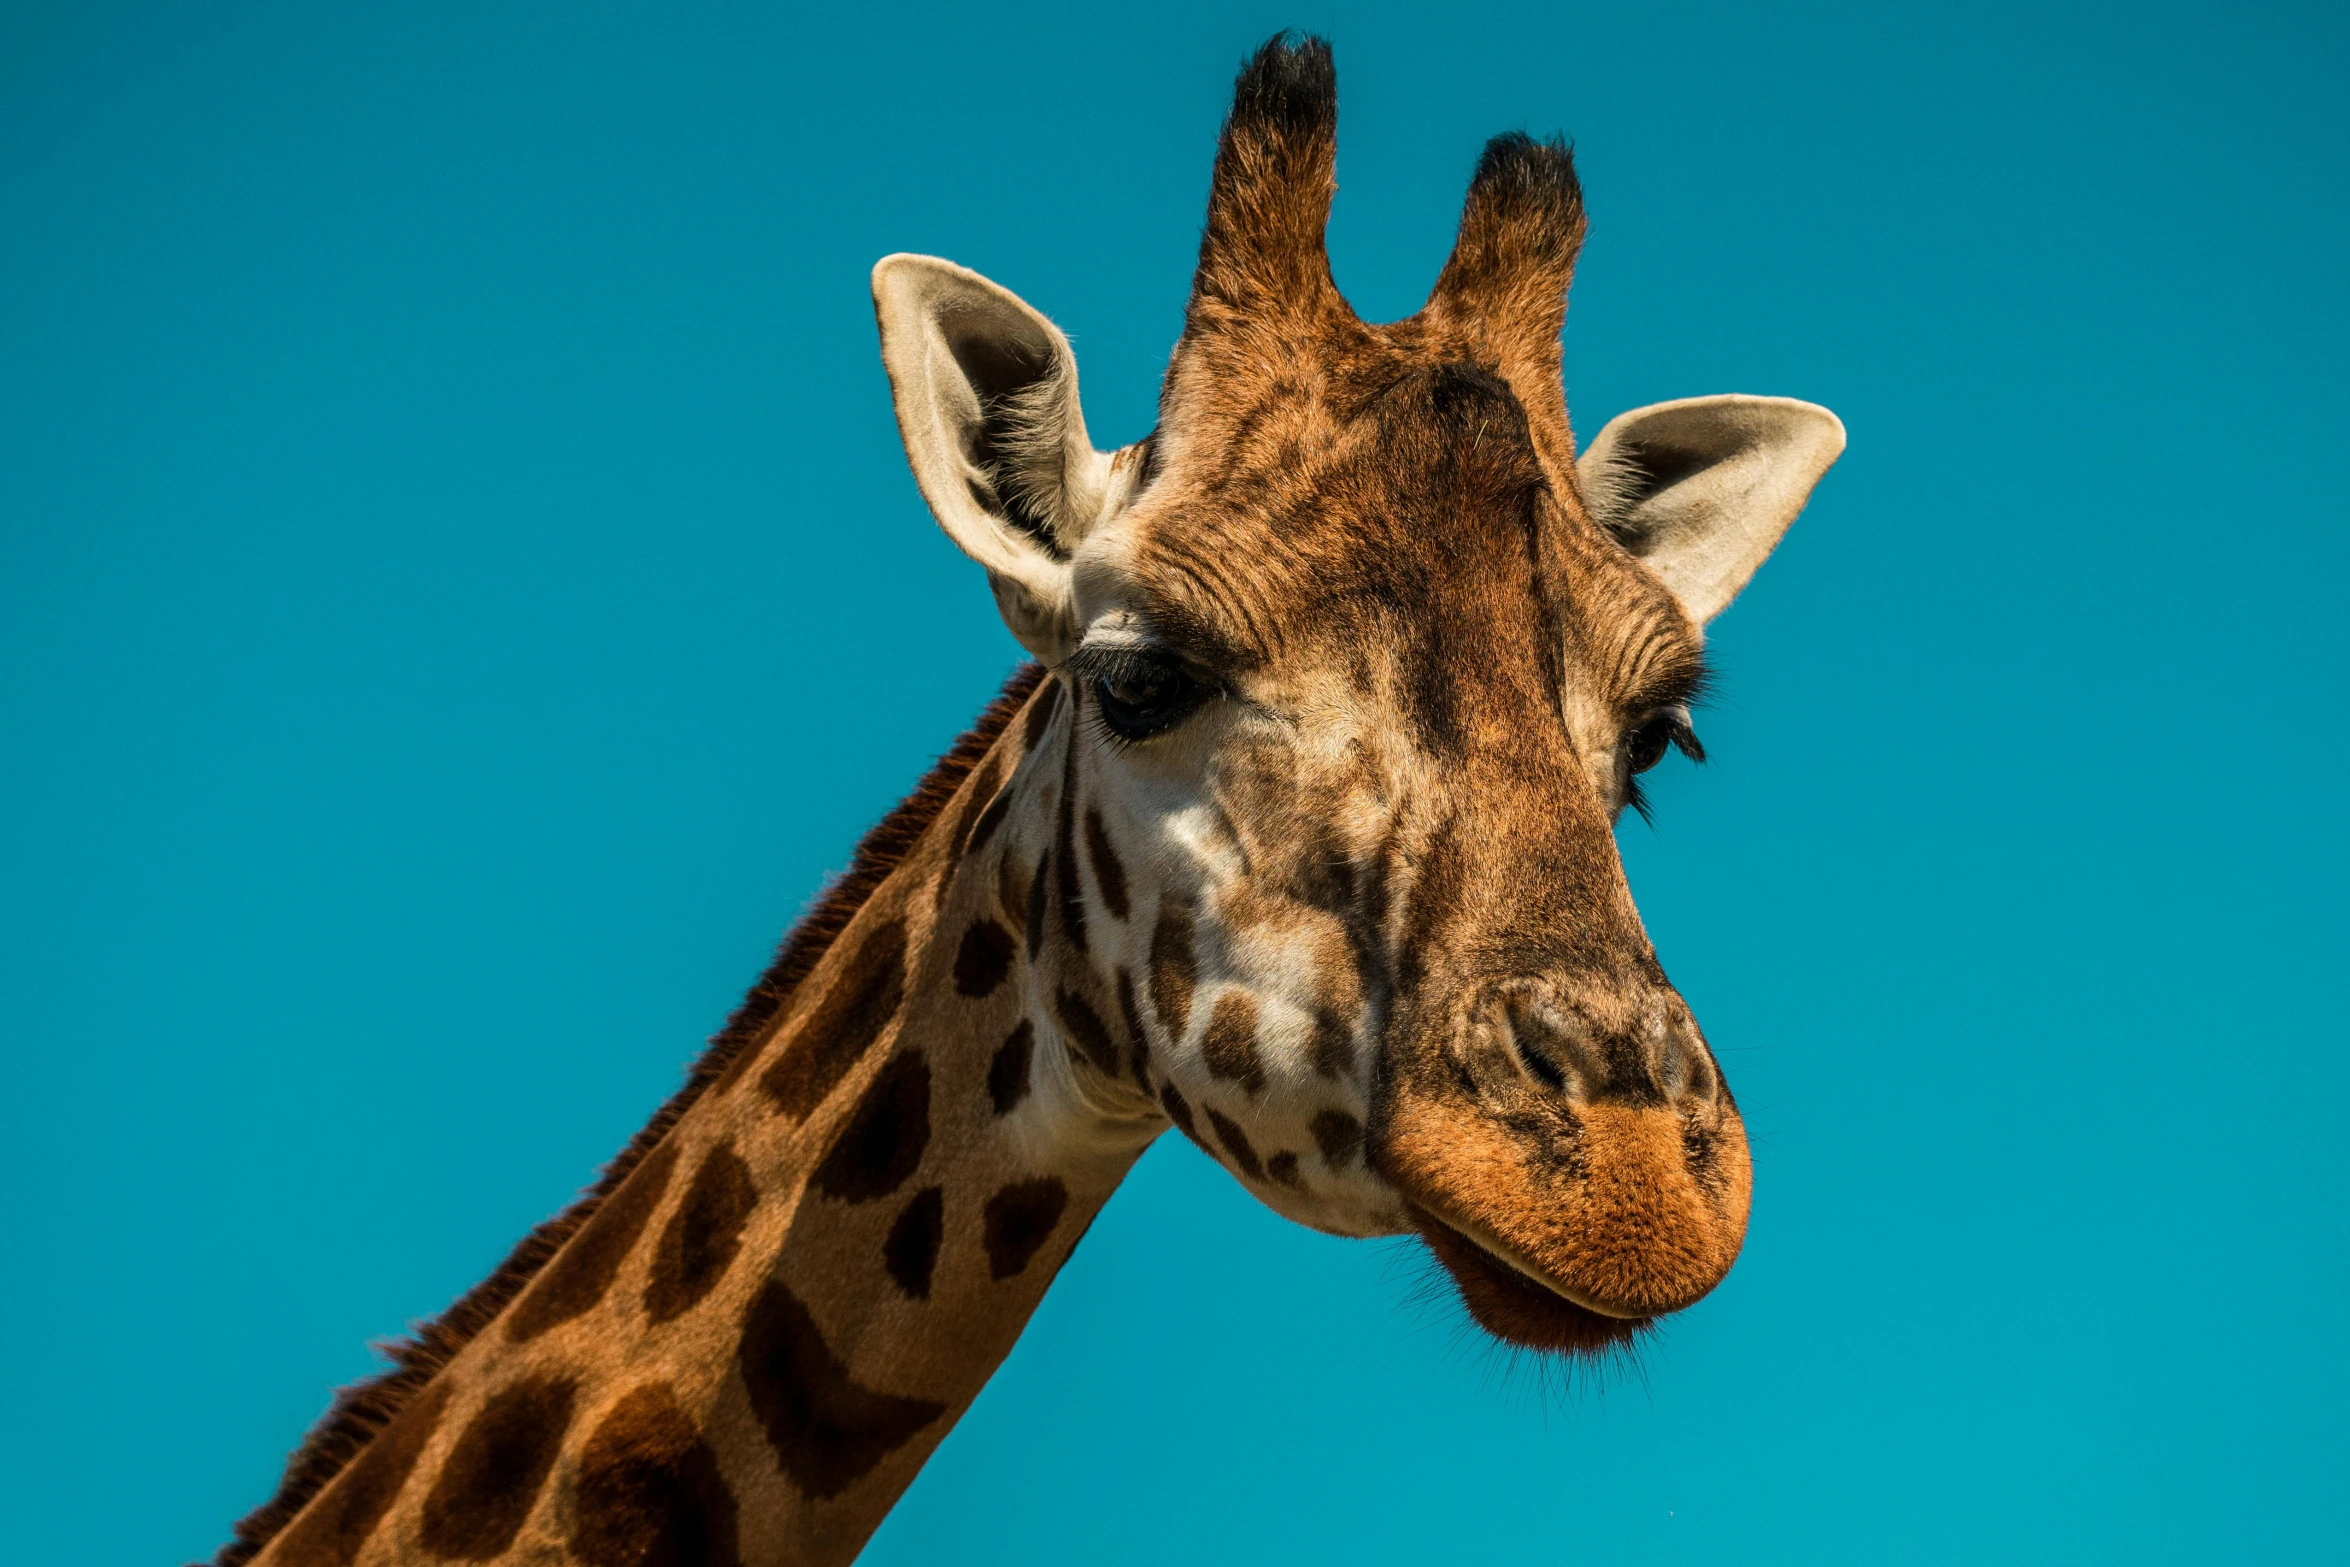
<point>1681,737</point>
<point>1162,692</point>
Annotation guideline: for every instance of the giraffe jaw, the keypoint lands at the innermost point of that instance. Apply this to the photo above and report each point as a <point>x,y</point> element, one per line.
<point>1517,1304</point>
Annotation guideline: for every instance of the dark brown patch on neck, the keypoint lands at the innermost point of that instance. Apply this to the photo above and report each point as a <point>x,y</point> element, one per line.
<point>1018,1221</point>
<point>990,820</point>
<point>842,1025</point>
<point>881,1146</point>
<point>960,832</point>
<point>1036,900</point>
<point>910,1250</point>
<point>1011,888</point>
<point>1086,1030</point>
<point>828,1431</point>
<point>1007,1073</point>
<point>1041,715</point>
<point>491,1478</point>
<point>367,1408</point>
<point>1070,891</point>
<point>649,1492</point>
<point>983,958</point>
<point>699,1245</point>
<point>584,1269</point>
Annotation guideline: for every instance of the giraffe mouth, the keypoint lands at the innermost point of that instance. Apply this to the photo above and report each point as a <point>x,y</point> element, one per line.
<point>1517,1305</point>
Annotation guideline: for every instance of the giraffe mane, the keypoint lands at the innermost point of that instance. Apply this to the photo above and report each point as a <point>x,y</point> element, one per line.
<point>363,1409</point>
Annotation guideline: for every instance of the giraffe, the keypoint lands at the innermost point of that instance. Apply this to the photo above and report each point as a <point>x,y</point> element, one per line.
<point>1295,836</point>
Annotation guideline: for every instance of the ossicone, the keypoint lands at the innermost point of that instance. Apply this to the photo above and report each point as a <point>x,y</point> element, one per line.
<point>1269,199</point>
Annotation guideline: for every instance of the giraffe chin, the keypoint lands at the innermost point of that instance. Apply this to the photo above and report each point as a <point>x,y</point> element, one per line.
<point>1503,1301</point>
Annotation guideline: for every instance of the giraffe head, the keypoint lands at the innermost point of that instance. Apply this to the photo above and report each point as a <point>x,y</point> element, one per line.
<point>1360,664</point>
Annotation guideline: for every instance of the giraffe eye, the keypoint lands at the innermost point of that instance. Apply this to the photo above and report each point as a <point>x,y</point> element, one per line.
<point>1648,744</point>
<point>1669,730</point>
<point>1140,695</point>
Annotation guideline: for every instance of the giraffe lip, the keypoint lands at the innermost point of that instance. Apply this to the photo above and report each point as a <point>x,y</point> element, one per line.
<point>1494,1251</point>
<point>1518,1305</point>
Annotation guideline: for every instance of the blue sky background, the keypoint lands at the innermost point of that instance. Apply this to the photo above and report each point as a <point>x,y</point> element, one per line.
<point>460,592</point>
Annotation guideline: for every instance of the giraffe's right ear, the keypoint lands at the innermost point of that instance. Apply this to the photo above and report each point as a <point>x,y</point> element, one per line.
<point>986,393</point>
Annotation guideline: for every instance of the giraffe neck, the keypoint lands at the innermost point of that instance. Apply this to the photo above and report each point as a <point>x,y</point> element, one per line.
<point>764,1330</point>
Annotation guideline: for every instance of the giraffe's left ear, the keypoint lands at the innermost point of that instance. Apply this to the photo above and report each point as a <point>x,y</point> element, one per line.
<point>986,393</point>
<point>1701,489</point>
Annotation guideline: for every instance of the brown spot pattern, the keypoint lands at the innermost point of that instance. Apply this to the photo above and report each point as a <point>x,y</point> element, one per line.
<point>881,1144</point>
<point>1007,1074</point>
<point>983,958</point>
<point>1338,1135</point>
<point>1018,1220</point>
<point>366,1410</point>
<point>1230,1049</point>
<point>1281,1169</point>
<point>1173,972</point>
<point>1179,1109</point>
<point>649,1492</point>
<point>1041,713</point>
<point>1236,1145</point>
<point>584,1269</point>
<point>834,1034</point>
<point>990,820</point>
<point>1086,1030</point>
<point>1011,887</point>
<point>1037,894</point>
<point>699,1245</point>
<point>1138,1043</point>
<point>910,1251</point>
<point>1333,1048</point>
<point>827,1429</point>
<point>329,1532</point>
<point>1109,873</point>
<point>977,792</point>
<point>1069,892</point>
<point>485,1489</point>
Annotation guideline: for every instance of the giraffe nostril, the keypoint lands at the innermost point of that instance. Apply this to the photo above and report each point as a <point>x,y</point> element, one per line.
<point>1538,1065</point>
<point>1550,1050</point>
<point>1702,1081</point>
<point>1558,1048</point>
<point>1675,1074</point>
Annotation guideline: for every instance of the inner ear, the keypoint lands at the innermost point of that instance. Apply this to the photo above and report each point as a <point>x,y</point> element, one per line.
<point>1700,490</point>
<point>1016,446</point>
<point>986,395</point>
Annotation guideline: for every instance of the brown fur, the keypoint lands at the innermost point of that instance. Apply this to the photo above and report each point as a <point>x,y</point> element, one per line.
<point>1376,531</point>
<point>828,1430</point>
<point>362,1411</point>
<point>703,1235</point>
<point>487,1484</point>
<point>1427,1000</point>
<point>650,1491</point>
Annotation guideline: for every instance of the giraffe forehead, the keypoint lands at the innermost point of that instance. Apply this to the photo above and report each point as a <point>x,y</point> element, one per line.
<point>1404,539</point>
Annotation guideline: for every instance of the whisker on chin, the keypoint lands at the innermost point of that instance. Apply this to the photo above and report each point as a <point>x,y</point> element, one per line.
<point>1553,1381</point>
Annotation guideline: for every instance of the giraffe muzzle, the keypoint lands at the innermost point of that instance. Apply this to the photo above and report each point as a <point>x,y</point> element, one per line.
<point>1577,1169</point>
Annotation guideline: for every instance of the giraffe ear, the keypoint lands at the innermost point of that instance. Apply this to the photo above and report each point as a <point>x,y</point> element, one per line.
<point>986,393</point>
<point>1701,489</point>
